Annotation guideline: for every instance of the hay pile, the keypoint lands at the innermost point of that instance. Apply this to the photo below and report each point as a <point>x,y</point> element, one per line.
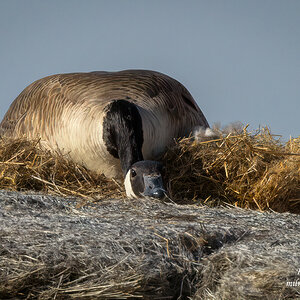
<point>247,170</point>
<point>23,167</point>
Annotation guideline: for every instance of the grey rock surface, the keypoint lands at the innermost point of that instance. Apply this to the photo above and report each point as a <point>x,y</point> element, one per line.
<point>120,249</point>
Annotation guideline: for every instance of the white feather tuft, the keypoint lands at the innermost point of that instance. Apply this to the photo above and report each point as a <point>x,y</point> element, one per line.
<point>201,134</point>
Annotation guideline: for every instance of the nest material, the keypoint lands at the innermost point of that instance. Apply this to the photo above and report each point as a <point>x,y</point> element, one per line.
<point>242,169</point>
<point>24,166</point>
<point>247,170</point>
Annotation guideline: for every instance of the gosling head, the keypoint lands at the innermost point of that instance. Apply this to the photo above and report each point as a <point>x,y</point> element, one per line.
<point>144,180</point>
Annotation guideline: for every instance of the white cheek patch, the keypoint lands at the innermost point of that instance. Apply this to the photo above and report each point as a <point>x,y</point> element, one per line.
<point>128,187</point>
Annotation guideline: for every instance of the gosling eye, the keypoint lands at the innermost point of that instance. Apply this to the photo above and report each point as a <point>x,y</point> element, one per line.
<point>132,173</point>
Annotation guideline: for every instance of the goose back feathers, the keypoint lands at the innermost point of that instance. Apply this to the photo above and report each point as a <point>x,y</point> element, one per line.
<point>76,113</point>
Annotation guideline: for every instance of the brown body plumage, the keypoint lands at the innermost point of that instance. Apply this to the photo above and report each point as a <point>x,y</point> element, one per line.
<point>66,112</point>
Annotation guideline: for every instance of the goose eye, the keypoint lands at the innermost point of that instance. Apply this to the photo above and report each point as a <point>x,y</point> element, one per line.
<point>133,173</point>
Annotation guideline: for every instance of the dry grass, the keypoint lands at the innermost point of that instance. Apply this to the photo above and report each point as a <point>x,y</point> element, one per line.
<point>23,167</point>
<point>247,170</point>
<point>240,168</point>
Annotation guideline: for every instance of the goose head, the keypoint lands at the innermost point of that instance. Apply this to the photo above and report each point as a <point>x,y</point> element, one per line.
<point>123,137</point>
<point>144,179</point>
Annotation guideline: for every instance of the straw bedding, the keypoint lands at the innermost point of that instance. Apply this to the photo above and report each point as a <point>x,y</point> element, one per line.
<point>248,170</point>
<point>25,167</point>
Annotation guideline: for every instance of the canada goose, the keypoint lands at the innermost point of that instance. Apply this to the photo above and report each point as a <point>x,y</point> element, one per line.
<point>110,122</point>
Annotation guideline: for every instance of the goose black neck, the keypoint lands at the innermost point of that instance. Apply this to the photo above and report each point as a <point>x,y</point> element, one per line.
<point>123,133</point>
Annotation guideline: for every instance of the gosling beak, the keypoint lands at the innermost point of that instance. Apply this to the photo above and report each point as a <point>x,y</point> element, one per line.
<point>154,187</point>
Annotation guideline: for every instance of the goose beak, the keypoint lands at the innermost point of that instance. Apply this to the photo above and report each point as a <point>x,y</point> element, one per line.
<point>154,187</point>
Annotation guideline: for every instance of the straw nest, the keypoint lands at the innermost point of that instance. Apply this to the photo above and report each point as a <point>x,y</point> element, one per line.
<point>24,166</point>
<point>240,168</point>
<point>248,170</point>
